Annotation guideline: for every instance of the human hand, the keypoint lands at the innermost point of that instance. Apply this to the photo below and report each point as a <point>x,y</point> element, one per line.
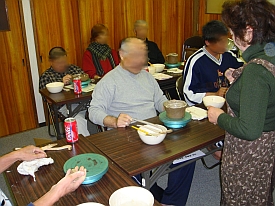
<point>71,181</point>
<point>123,120</point>
<point>228,74</point>
<point>30,153</point>
<point>221,92</point>
<point>213,113</point>
<point>66,79</point>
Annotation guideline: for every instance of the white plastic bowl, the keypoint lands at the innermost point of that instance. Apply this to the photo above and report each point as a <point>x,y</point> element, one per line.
<point>151,140</point>
<point>90,204</point>
<point>159,67</point>
<point>214,101</point>
<point>55,87</point>
<point>131,196</point>
<point>151,69</point>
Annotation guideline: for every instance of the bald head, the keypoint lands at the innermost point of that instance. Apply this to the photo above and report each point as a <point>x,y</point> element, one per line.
<point>139,23</point>
<point>132,43</point>
<point>134,54</point>
<point>141,29</point>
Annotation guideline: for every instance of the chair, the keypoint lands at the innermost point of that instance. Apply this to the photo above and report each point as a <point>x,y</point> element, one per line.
<point>179,88</point>
<point>93,128</point>
<point>61,117</point>
<point>50,118</point>
<point>190,46</point>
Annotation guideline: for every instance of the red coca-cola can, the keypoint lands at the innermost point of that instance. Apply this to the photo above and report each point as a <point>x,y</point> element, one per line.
<point>71,130</point>
<point>77,85</point>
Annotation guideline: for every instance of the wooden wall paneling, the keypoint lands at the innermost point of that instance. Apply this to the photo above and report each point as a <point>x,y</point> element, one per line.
<point>93,12</point>
<point>17,109</point>
<point>129,12</point>
<point>170,22</point>
<point>204,18</point>
<point>174,25</point>
<point>56,23</point>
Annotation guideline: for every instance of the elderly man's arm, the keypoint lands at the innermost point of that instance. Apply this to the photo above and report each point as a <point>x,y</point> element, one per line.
<point>27,153</point>
<point>102,98</point>
<point>123,120</point>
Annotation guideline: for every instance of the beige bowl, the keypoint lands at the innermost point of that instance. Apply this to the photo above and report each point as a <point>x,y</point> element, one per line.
<point>55,87</point>
<point>214,101</point>
<point>152,70</point>
<point>175,109</point>
<point>159,67</point>
<point>131,196</point>
<point>90,204</point>
<point>152,140</point>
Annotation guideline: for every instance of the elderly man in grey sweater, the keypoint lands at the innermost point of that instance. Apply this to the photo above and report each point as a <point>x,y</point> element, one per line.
<point>127,92</point>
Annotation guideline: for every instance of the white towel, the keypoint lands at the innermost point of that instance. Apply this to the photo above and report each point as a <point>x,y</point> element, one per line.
<point>197,113</point>
<point>30,167</point>
<point>161,76</point>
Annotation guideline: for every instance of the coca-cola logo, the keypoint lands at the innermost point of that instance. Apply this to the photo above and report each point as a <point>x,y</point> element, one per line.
<point>76,87</point>
<point>69,132</point>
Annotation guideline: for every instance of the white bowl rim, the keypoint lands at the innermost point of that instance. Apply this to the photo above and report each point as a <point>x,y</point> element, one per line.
<point>214,96</point>
<point>130,187</point>
<point>144,128</point>
<point>159,65</point>
<point>56,84</point>
<point>90,204</point>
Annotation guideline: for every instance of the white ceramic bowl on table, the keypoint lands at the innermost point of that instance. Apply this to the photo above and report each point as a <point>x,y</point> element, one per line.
<point>55,87</point>
<point>149,139</point>
<point>214,101</point>
<point>159,67</point>
<point>90,204</point>
<point>131,196</point>
<point>152,70</point>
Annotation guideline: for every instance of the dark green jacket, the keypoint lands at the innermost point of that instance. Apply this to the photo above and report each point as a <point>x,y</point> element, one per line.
<point>252,98</point>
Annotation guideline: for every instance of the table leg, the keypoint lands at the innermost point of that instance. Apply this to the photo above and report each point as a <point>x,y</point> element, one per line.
<point>145,181</point>
<point>56,122</point>
<point>69,108</point>
<point>77,109</point>
<point>149,180</point>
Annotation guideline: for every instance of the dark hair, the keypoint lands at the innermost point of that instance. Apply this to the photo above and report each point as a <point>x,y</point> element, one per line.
<point>213,30</point>
<point>258,14</point>
<point>57,52</point>
<point>97,30</point>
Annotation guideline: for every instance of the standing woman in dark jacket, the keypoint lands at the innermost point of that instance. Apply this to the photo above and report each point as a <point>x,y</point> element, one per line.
<point>99,58</point>
<point>247,171</point>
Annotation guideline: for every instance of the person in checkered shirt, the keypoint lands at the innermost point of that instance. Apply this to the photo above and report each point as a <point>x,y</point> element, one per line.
<point>61,71</point>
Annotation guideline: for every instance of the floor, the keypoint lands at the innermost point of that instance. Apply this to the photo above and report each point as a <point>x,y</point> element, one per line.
<point>205,190</point>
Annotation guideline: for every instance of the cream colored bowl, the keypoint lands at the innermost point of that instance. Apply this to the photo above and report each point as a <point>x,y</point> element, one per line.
<point>159,67</point>
<point>152,70</point>
<point>55,87</point>
<point>90,204</point>
<point>214,101</point>
<point>156,138</point>
<point>131,196</point>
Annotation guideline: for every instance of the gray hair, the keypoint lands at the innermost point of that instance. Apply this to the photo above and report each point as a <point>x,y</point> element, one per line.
<point>126,44</point>
<point>140,22</point>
